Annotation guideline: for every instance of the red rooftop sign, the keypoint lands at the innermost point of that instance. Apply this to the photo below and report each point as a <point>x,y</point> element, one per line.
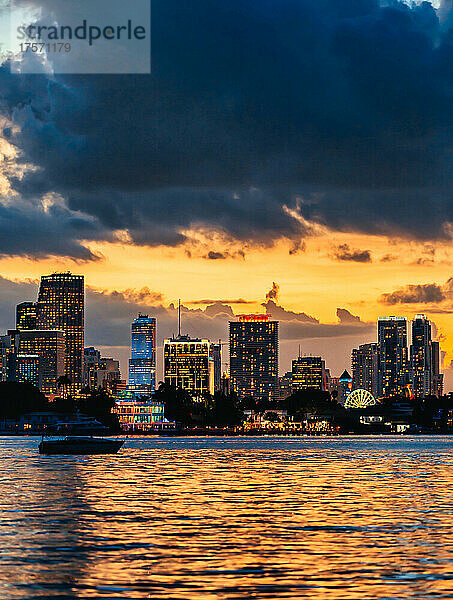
<point>253,318</point>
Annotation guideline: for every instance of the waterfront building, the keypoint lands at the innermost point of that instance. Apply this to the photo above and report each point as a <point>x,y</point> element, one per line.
<point>136,415</point>
<point>189,365</point>
<point>26,315</point>
<point>393,359</point>
<point>60,306</point>
<point>50,346</point>
<point>254,356</point>
<point>365,368</point>
<point>308,372</point>
<point>142,364</point>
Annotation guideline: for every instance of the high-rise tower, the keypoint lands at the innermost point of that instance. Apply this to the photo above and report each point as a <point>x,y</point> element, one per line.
<point>393,359</point>
<point>142,364</point>
<point>254,356</point>
<point>26,316</point>
<point>421,356</point>
<point>365,368</point>
<point>60,306</point>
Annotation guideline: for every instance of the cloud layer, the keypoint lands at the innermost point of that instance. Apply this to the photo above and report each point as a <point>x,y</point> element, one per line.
<point>251,107</point>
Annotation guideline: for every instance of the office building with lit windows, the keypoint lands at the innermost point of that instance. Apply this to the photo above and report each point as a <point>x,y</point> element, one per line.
<point>28,369</point>
<point>421,356</point>
<point>254,356</point>
<point>142,364</point>
<point>365,368</point>
<point>60,306</point>
<point>50,346</point>
<point>189,365</point>
<point>308,372</point>
<point>26,315</point>
<point>394,371</point>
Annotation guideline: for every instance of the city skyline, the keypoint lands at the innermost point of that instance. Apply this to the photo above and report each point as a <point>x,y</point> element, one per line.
<point>404,350</point>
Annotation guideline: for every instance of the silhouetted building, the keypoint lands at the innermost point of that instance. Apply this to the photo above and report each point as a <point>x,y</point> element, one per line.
<point>50,346</point>
<point>254,356</point>
<point>437,378</point>
<point>26,315</point>
<point>142,364</point>
<point>393,359</point>
<point>285,386</point>
<point>308,372</point>
<point>365,368</point>
<point>60,306</point>
<point>189,365</point>
<point>100,372</point>
<point>216,353</point>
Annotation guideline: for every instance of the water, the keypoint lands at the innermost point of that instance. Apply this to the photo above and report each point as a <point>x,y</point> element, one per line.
<point>319,518</point>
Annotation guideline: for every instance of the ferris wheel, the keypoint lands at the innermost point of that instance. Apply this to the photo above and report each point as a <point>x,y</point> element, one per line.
<point>360,399</point>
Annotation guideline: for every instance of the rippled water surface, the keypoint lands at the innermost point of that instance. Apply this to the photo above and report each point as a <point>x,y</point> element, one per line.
<point>178,518</point>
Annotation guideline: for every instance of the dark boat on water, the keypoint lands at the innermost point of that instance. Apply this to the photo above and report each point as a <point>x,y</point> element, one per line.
<point>79,445</point>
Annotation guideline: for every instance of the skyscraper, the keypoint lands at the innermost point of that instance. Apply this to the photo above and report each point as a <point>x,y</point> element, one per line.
<point>26,315</point>
<point>437,378</point>
<point>189,365</point>
<point>254,356</point>
<point>421,356</point>
<point>142,364</point>
<point>365,368</point>
<point>393,359</point>
<point>60,306</point>
<point>308,372</point>
<point>50,346</point>
<point>216,353</point>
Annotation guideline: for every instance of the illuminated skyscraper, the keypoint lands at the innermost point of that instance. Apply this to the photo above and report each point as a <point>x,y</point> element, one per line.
<point>365,368</point>
<point>393,359</point>
<point>60,306</point>
<point>142,364</point>
<point>28,369</point>
<point>26,315</point>
<point>421,356</point>
<point>189,365</point>
<point>254,356</point>
<point>308,372</point>
<point>50,346</point>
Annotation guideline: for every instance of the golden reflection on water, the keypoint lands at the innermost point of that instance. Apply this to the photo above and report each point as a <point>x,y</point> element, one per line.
<point>319,518</point>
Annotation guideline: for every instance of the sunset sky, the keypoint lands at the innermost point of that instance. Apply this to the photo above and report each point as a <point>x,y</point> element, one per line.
<point>287,156</point>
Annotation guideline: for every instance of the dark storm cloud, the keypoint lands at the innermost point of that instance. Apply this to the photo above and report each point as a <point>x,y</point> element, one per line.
<point>338,110</point>
<point>415,294</point>
<point>212,255</point>
<point>344,252</point>
<point>11,294</point>
<point>346,317</point>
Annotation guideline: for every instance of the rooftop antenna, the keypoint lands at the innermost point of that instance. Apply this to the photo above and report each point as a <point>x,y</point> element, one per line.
<point>179,317</point>
<point>299,350</point>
